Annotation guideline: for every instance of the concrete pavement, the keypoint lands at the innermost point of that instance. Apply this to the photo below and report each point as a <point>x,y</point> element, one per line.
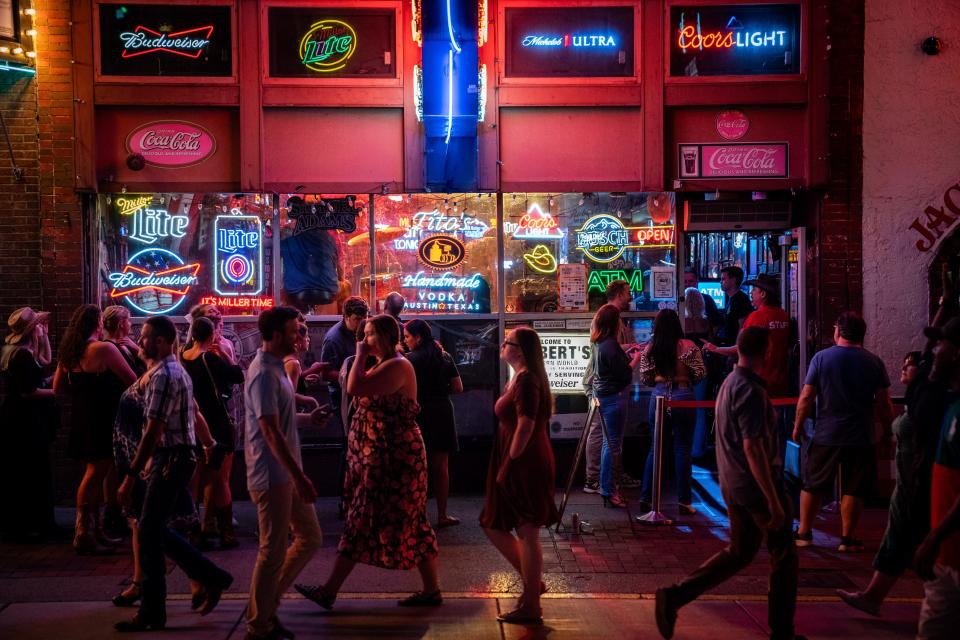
<point>601,585</point>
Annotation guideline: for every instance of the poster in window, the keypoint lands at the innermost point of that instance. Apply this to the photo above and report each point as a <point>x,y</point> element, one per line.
<point>569,42</point>
<point>572,283</point>
<point>734,40</point>
<point>9,19</point>
<point>307,42</point>
<point>165,40</point>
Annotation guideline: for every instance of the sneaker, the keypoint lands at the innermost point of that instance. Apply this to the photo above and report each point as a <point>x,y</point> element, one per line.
<point>805,540</point>
<point>626,482</point>
<point>856,600</point>
<point>666,614</point>
<point>850,545</point>
<point>591,486</point>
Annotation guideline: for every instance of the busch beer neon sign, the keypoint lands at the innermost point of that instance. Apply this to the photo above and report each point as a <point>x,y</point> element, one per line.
<point>603,238</point>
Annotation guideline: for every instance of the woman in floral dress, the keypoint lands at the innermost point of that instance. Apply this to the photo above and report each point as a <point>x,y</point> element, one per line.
<point>386,481</point>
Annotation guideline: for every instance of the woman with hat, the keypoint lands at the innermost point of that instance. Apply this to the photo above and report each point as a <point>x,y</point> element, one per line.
<point>26,413</point>
<point>92,374</point>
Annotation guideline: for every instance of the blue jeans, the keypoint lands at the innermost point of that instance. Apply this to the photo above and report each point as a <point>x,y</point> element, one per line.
<point>165,485</point>
<point>614,411</point>
<point>682,422</point>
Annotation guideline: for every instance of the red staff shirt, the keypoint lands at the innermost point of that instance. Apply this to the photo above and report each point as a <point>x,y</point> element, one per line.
<point>774,370</point>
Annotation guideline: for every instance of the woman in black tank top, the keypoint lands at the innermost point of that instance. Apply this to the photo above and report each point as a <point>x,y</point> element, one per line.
<point>91,375</point>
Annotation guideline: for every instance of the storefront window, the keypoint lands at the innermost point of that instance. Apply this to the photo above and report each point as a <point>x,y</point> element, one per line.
<point>162,253</point>
<point>562,250</point>
<point>709,252</point>
<point>324,250</point>
<point>439,251</point>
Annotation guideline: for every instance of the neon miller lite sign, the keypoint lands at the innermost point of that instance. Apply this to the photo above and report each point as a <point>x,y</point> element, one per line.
<point>188,43</point>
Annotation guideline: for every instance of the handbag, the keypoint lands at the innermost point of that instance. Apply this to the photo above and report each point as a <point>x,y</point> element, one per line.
<point>220,449</point>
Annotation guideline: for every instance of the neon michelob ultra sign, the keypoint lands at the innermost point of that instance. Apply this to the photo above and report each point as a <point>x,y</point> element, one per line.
<point>237,255</point>
<point>188,43</point>
<point>328,45</point>
<point>735,36</point>
<point>576,40</point>
<point>154,281</point>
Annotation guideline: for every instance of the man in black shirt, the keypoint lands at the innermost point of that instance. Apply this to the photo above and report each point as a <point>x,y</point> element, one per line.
<point>737,309</point>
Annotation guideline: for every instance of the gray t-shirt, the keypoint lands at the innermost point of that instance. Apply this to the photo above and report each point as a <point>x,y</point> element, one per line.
<point>744,411</point>
<point>268,392</point>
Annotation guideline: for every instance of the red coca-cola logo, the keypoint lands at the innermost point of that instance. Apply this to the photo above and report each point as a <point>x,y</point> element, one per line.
<point>732,124</point>
<point>171,143</point>
<point>743,159</point>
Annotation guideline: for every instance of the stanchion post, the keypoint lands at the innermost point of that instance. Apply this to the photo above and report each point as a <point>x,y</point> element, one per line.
<point>581,445</point>
<point>654,516</point>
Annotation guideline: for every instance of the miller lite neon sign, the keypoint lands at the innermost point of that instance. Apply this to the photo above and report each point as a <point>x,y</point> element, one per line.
<point>328,45</point>
<point>237,255</point>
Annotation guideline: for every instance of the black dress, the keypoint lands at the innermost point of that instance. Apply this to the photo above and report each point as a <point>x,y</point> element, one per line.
<point>93,410</point>
<point>27,427</point>
<point>435,370</point>
<point>211,399</point>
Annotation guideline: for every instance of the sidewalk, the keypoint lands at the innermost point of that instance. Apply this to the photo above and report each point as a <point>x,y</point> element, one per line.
<point>600,584</point>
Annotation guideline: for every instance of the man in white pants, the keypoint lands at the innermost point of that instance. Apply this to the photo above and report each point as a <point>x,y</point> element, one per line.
<point>283,494</point>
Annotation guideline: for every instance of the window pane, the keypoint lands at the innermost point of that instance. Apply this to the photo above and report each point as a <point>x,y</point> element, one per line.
<point>163,253</point>
<point>324,250</point>
<point>439,251</point>
<point>613,235</point>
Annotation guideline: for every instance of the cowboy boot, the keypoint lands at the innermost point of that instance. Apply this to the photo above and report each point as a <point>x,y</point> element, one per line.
<point>228,534</point>
<point>98,533</point>
<point>84,542</point>
<point>208,527</point>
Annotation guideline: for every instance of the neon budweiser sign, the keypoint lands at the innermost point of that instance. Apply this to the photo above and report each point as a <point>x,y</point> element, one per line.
<point>188,43</point>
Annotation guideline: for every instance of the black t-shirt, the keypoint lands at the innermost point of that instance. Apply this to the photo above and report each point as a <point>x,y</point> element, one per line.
<point>737,309</point>
<point>435,369</point>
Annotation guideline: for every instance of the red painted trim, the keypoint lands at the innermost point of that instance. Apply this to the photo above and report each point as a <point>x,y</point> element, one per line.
<point>570,96</point>
<point>337,96</point>
<point>84,120</point>
<point>653,113</point>
<point>250,96</point>
<point>413,151</point>
<point>708,92</point>
<point>166,95</point>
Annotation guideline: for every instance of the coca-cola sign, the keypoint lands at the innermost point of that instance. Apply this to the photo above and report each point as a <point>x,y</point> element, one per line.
<point>734,160</point>
<point>172,143</point>
<point>732,124</point>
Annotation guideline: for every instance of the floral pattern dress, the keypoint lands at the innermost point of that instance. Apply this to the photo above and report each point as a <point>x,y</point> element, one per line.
<point>386,486</point>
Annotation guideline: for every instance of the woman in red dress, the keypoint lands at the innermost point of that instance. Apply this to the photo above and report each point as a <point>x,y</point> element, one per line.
<point>522,474</point>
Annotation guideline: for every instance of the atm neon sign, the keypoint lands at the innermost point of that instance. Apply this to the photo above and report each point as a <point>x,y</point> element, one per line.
<point>188,43</point>
<point>600,279</point>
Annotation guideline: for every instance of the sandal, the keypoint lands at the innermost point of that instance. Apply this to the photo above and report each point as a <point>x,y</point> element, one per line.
<point>519,616</point>
<point>447,521</point>
<point>128,597</point>
<point>316,594</point>
<point>422,599</point>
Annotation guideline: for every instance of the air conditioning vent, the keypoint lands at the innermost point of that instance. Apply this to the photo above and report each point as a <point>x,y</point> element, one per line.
<point>731,216</point>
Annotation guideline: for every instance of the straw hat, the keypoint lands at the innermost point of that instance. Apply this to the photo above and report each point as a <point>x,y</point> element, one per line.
<point>22,321</point>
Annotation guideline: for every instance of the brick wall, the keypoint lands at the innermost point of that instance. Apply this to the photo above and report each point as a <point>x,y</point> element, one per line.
<point>838,264</point>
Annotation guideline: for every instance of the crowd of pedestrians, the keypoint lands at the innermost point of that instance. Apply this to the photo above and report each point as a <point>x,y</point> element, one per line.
<point>152,425</point>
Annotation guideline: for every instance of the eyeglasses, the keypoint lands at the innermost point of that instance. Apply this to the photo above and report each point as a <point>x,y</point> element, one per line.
<point>506,342</point>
